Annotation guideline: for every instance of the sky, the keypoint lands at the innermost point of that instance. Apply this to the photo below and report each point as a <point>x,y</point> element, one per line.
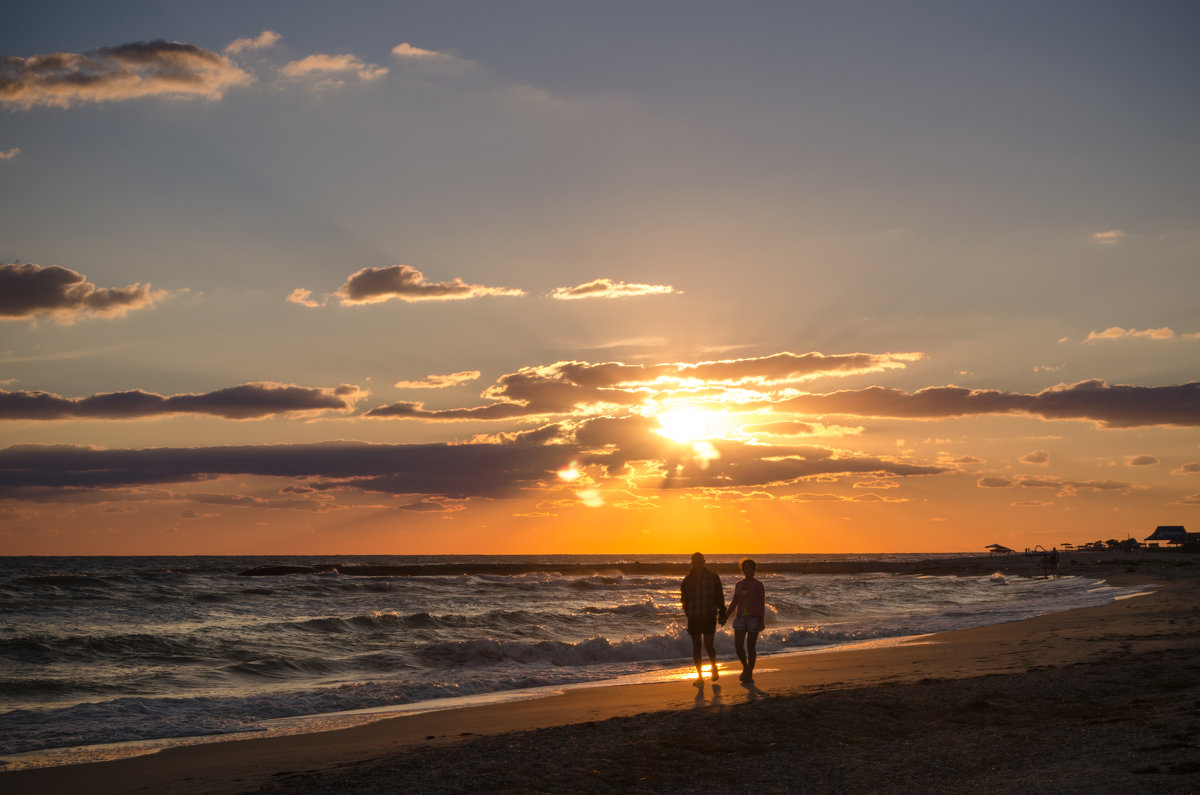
<point>597,277</point>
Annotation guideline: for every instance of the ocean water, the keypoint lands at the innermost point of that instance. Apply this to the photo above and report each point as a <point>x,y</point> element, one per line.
<point>103,657</point>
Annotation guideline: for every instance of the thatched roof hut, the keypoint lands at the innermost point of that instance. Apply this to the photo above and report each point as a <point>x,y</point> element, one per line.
<point>1171,533</point>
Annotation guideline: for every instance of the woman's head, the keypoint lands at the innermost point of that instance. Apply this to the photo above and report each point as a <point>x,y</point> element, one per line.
<point>749,567</point>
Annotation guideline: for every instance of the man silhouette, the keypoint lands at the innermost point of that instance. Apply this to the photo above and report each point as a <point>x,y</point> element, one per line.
<point>703,603</point>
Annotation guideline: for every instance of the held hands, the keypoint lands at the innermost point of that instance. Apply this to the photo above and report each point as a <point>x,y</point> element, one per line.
<point>722,616</point>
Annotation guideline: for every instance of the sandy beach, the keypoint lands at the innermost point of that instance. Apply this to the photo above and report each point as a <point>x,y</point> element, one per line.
<point>1102,699</point>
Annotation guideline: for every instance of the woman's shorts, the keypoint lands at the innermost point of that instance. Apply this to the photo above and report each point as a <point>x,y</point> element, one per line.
<point>748,623</point>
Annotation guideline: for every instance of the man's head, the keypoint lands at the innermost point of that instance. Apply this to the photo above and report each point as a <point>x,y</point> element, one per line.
<point>697,562</point>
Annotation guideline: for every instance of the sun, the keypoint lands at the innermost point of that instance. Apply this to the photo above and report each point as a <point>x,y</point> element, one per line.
<point>688,424</point>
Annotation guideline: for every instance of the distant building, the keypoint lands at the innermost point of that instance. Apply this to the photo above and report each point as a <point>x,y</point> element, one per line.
<point>1174,534</point>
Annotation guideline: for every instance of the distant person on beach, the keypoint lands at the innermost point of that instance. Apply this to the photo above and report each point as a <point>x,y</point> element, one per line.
<point>748,607</point>
<point>1053,561</point>
<point>703,603</point>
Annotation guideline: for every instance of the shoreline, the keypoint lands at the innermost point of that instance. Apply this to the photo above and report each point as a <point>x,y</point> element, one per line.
<point>343,759</point>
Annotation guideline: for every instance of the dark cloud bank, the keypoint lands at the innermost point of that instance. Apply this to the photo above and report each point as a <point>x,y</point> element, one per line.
<point>494,469</point>
<point>30,290</point>
<point>1112,406</point>
<point>248,401</point>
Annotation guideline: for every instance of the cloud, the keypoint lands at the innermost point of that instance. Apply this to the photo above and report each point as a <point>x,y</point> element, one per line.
<point>607,288</point>
<point>1116,333</point>
<point>264,40</point>
<point>304,298</point>
<point>30,290</point>
<point>1067,488</point>
<point>626,449</point>
<point>1111,406</point>
<point>876,483</point>
<point>112,74</point>
<point>435,504</point>
<point>406,50</point>
<point>828,497</point>
<point>440,381</point>
<point>617,444</point>
<point>1036,457</point>
<point>248,401</point>
<point>1187,469</point>
<point>375,285</point>
<point>783,428</point>
<point>569,387</point>
<point>419,55</point>
<point>1141,461</point>
<point>324,66</point>
<point>1108,238</point>
<point>9,154</point>
<point>453,471</point>
<point>1191,499</point>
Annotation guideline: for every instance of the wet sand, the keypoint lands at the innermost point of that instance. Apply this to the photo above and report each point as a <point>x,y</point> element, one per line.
<point>1102,699</point>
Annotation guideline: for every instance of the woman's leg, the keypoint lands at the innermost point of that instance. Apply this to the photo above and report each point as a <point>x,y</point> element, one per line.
<point>739,646</point>
<point>751,653</point>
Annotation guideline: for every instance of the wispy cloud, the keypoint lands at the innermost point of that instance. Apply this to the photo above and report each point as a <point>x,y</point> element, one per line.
<point>248,401</point>
<point>327,68</point>
<point>440,381</point>
<point>1116,333</point>
<point>108,74</point>
<point>607,288</point>
<point>304,298</point>
<point>412,55</point>
<point>1108,238</point>
<point>9,154</point>
<point>1038,457</point>
<point>28,291</point>
<point>264,40</point>
<point>1066,488</point>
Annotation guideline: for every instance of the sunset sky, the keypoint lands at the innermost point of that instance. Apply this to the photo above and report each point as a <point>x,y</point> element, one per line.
<point>610,277</point>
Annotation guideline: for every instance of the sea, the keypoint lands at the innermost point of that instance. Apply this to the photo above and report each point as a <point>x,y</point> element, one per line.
<point>105,657</point>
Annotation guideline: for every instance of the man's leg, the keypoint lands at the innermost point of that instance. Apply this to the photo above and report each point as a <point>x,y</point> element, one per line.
<point>696,657</point>
<point>711,646</point>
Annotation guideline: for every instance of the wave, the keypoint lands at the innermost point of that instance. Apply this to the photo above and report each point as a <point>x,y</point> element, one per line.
<point>62,580</point>
<point>143,647</point>
<point>189,648</point>
<point>138,718</point>
<point>646,608</point>
<point>283,668</point>
<point>483,652</point>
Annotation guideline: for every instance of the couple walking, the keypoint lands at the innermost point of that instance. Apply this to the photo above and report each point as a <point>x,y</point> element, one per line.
<point>704,604</point>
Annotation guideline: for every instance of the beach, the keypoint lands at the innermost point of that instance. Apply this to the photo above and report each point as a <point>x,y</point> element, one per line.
<point>1101,699</point>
